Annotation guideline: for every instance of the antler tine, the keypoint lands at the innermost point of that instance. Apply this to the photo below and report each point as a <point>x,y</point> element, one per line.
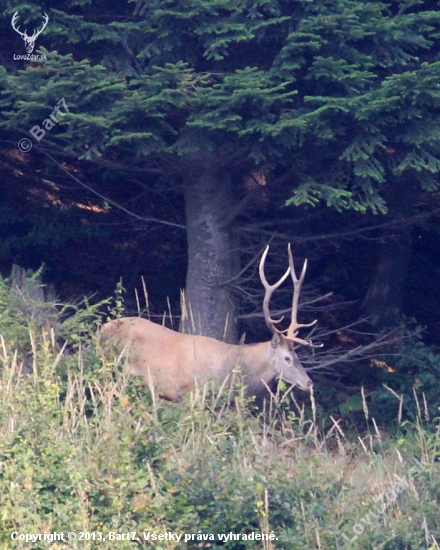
<point>37,32</point>
<point>268,293</point>
<point>297,284</point>
<point>46,20</point>
<point>14,20</point>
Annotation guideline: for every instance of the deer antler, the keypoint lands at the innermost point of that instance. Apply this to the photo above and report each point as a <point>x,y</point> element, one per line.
<point>46,20</point>
<point>291,332</point>
<point>268,293</point>
<point>294,326</point>
<point>14,25</point>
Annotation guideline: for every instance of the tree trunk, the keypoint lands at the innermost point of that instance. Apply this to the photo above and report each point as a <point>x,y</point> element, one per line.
<point>384,297</point>
<point>210,306</point>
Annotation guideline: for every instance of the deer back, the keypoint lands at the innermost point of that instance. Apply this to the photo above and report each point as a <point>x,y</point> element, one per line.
<point>168,360</point>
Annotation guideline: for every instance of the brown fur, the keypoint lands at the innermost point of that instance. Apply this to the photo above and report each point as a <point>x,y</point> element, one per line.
<point>172,361</point>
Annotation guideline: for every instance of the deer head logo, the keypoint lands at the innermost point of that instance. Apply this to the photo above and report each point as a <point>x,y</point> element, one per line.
<point>29,41</point>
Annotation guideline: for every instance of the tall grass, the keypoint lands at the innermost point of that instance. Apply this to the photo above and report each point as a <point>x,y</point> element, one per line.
<point>86,449</point>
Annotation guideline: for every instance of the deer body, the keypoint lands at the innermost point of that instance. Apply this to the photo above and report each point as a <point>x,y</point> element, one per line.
<point>172,362</point>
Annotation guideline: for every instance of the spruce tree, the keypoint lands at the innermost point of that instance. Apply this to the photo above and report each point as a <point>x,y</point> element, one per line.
<point>338,100</point>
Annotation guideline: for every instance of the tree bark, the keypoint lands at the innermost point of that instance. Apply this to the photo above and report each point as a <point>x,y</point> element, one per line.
<point>384,296</point>
<point>210,306</point>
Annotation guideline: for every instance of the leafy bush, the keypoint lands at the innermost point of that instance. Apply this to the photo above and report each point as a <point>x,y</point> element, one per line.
<point>412,377</point>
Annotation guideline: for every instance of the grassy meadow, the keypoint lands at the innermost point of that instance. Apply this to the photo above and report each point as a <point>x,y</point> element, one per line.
<point>89,451</point>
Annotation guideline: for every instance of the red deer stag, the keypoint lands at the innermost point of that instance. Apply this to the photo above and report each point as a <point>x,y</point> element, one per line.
<point>170,361</point>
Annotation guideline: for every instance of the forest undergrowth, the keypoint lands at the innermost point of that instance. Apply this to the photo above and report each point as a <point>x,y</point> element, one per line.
<point>87,450</point>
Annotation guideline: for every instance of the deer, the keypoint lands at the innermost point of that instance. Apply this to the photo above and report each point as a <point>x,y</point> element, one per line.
<point>29,41</point>
<point>172,362</point>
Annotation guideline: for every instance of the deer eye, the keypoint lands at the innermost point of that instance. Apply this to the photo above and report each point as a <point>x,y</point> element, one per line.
<point>287,359</point>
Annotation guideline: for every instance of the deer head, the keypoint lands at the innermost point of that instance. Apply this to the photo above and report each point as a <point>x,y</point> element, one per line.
<point>290,367</point>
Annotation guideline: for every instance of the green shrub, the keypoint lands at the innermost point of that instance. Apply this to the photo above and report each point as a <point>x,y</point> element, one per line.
<point>413,374</point>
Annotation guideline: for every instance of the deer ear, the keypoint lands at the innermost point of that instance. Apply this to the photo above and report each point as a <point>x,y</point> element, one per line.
<point>276,340</point>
